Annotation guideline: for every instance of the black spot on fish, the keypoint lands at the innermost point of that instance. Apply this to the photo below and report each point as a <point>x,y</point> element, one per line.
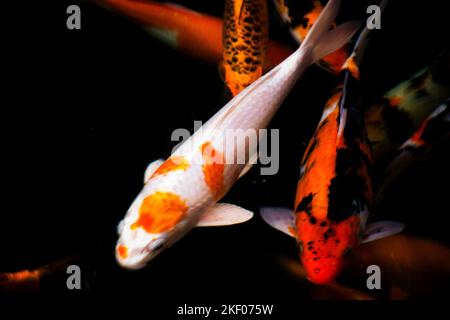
<point>305,204</point>
<point>329,233</point>
<point>347,189</point>
<point>312,220</point>
<point>310,242</point>
<point>305,23</point>
<point>323,224</point>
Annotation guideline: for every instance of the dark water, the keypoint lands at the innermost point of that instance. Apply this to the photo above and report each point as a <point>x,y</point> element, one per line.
<point>91,108</point>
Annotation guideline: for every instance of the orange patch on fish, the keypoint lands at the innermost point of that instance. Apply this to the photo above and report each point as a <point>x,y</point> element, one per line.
<point>172,164</point>
<point>122,251</point>
<point>213,169</point>
<point>292,231</point>
<point>24,275</point>
<point>350,65</point>
<point>417,137</point>
<point>319,161</point>
<point>395,101</point>
<point>160,211</point>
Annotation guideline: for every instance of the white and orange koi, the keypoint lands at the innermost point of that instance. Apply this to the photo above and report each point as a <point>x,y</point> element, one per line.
<point>182,192</point>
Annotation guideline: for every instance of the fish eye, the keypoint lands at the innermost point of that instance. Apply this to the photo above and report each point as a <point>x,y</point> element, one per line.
<point>156,245</point>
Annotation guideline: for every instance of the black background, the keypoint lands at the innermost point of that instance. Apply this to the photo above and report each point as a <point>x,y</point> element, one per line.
<point>85,111</point>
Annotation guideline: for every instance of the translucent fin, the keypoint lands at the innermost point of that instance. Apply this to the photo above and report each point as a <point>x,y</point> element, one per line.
<point>224,214</point>
<point>320,40</point>
<point>382,229</point>
<point>279,218</point>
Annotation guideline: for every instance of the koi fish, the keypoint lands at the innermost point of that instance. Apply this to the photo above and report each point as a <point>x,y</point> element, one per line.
<point>245,37</point>
<point>334,191</point>
<point>195,34</point>
<point>393,119</point>
<point>29,281</point>
<point>300,16</point>
<point>433,130</point>
<point>182,192</point>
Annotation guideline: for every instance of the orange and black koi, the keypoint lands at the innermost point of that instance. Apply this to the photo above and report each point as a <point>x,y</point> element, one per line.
<point>245,39</point>
<point>300,17</point>
<point>195,34</point>
<point>334,192</point>
<point>393,119</point>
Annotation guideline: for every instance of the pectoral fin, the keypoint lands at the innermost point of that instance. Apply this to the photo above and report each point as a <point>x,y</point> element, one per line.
<point>382,229</point>
<point>224,214</point>
<point>279,218</point>
<point>151,168</point>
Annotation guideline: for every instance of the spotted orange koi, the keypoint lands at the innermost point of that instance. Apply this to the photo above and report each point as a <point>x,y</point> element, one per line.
<point>245,39</point>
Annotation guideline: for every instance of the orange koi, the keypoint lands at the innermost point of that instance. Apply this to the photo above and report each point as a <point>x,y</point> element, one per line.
<point>245,38</point>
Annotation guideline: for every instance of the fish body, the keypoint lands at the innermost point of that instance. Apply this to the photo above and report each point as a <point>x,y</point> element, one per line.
<point>182,191</point>
<point>334,192</point>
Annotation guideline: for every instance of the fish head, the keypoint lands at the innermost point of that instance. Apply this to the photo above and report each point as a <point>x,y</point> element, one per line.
<point>135,249</point>
<point>324,245</point>
<point>150,225</point>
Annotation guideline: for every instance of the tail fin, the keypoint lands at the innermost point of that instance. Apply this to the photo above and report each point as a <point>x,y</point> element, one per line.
<point>360,45</point>
<point>320,41</point>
